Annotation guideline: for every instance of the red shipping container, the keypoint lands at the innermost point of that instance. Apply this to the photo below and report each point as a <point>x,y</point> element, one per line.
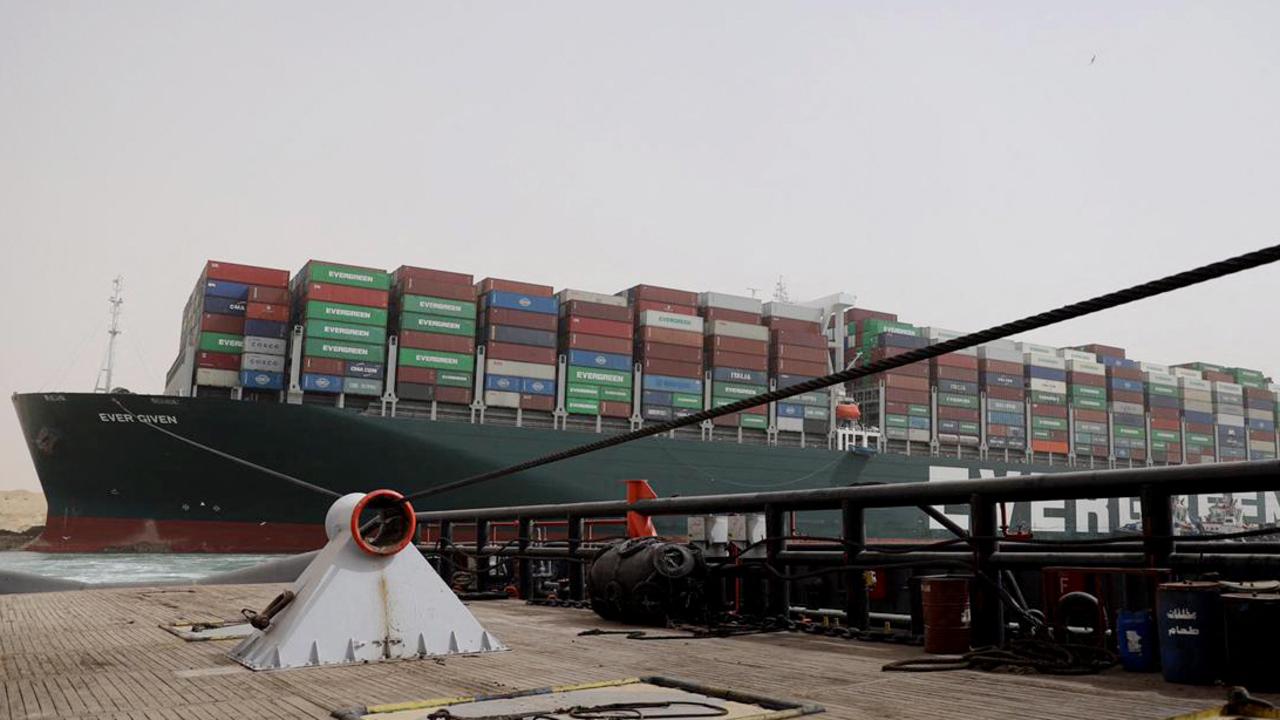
<point>892,380</point>
<point>662,294</point>
<point>612,408</point>
<point>1004,393</point>
<point>265,311</point>
<point>520,353</point>
<point>247,274</point>
<point>229,324</point>
<point>943,372</point>
<point>524,288</point>
<point>903,395</point>
<point>1214,376</point>
<point>427,275</point>
<point>1000,366</point>
<point>896,408</point>
<point>1267,435</point>
<point>217,360</point>
<point>757,410</point>
<point>453,395</point>
<point>272,295</point>
<point>1077,378</point>
<point>726,420</point>
<point>1125,373</point>
<point>743,361</point>
<point>663,351</point>
<point>968,362</point>
<point>1097,416</point>
<point>671,368</point>
<point>595,326</point>
<point>786,366</point>
<point>1172,414</point>
<point>1050,411</point>
<point>421,376</point>
<point>1201,428</point>
<point>428,288</point>
<point>1127,396</point>
<point>791,324</point>
<point>582,308</point>
<point>521,319</point>
<point>1050,446</point>
<point>915,369</point>
<point>1258,394</point>
<point>580,341</point>
<point>712,314</point>
<point>363,297</point>
<point>860,314</point>
<point>324,366</point>
<point>1165,424</point>
<point>545,403</point>
<point>1107,350</point>
<point>955,413</point>
<point>794,337</point>
<point>437,341</point>
<point>668,336</point>
<point>643,305</point>
<point>797,352</point>
<point>737,345</point>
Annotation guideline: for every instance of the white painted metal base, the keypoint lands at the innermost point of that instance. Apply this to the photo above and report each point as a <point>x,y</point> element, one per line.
<point>353,607</point>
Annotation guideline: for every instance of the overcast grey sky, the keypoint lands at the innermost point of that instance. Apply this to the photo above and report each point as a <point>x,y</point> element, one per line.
<point>959,164</point>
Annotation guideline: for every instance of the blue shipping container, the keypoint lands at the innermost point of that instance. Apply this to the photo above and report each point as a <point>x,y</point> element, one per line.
<point>537,386</point>
<point>521,336</point>
<point>1194,416</point>
<point>366,370</point>
<point>503,383</point>
<point>312,382</point>
<point>656,397</point>
<point>224,289</point>
<point>516,301</point>
<point>1127,385</point>
<point>609,361</point>
<point>1002,380</point>
<point>1043,373</point>
<point>266,328</point>
<point>672,384</point>
<point>747,377</point>
<point>790,410</point>
<point>224,306</point>
<point>785,380</point>
<point>655,412</point>
<point>261,380</point>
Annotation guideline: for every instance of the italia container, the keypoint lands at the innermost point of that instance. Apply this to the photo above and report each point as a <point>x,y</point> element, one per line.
<point>795,335</point>
<point>905,411</point>
<point>955,377</point>
<point>518,322</point>
<point>433,313</point>
<point>596,339</point>
<point>1046,377</point>
<point>1163,403</point>
<point>343,310</point>
<point>736,351</point>
<point>233,331</point>
<point>1195,398</point>
<point>668,345</point>
<point>1001,374</point>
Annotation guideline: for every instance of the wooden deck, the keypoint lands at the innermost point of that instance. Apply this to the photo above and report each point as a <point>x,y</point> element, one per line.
<point>102,654</point>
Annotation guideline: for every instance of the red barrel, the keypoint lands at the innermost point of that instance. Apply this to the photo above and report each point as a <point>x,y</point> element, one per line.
<point>946,614</point>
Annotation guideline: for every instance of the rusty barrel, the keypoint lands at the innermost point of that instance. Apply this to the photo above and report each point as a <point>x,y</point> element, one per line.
<point>945,604</point>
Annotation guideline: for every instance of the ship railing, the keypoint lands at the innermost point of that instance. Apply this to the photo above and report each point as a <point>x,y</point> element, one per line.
<point>978,543</point>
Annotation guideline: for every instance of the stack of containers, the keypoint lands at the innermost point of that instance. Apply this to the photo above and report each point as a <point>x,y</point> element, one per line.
<point>1195,397</point>
<point>798,352</point>
<point>1000,377</point>
<point>237,318</point>
<point>668,347</point>
<point>343,311</point>
<point>736,349</point>
<point>906,414</point>
<point>434,312</point>
<point>1229,419</point>
<point>1260,411</point>
<point>1165,408</point>
<point>955,375</point>
<point>518,322</point>
<point>1126,395</point>
<point>596,339</point>
<point>1046,375</point>
<point>1087,394</point>
<point>1274,390</point>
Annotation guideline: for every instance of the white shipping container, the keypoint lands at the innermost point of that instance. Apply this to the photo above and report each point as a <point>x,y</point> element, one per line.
<point>568,295</point>
<point>210,377</point>
<point>738,330</point>
<point>1051,386</point>
<point>1127,408</point>
<point>1070,354</point>
<point>986,352</point>
<point>918,435</point>
<point>1203,406</point>
<point>264,363</point>
<point>1228,420</point>
<point>498,398</point>
<point>1025,347</point>
<point>520,369</point>
<point>1007,346</point>
<point>1187,373</point>
<point>790,424</point>
<point>1155,377</point>
<point>1193,383</point>
<point>264,345</point>
<point>1044,360</point>
<point>730,302</point>
<point>1263,445</point>
<point>1259,414</point>
<point>1086,367</point>
<point>1154,368</point>
<point>1227,388</point>
<point>671,321</point>
<point>793,312</point>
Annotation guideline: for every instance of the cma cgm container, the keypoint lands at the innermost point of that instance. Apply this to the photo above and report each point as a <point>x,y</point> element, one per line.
<point>433,313</point>
<point>955,377</point>
<point>1046,376</point>
<point>233,331</point>
<point>343,312</point>
<point>1000,378</point>
<point>596,340</point>
<point>798,351</point>
<point>736,349</point>
<point>668,348</point>
<point>518,330</point>
<point>904,411</point>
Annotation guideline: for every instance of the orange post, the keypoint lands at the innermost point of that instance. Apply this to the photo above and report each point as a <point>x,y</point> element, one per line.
<point>639,525</point>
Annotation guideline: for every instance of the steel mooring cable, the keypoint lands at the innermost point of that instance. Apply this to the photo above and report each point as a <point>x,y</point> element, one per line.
<point>1212,271</point>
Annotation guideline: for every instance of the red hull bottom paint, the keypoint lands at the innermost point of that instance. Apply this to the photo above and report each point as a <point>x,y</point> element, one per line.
<point>88,534</point>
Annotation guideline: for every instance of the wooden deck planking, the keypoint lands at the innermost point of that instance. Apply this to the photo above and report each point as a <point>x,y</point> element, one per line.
<point>101,654</point>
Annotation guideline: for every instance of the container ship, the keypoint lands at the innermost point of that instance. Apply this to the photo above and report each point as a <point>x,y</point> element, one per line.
<point>355,378</point>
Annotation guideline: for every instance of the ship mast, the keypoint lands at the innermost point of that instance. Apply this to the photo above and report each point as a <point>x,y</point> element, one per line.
<point>103,383</point>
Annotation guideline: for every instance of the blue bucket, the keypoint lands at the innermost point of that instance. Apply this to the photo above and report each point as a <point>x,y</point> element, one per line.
<point>1189,616</point>
<point>1136,637</point>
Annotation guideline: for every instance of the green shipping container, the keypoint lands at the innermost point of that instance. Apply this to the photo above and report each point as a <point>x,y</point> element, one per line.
<point>221,342</point>
<point>816,413</point>
<point>437,324</point>
<point>1042,434</point>
<point>1162,390</point>
<point>346,313</point>
<point>687,401</point>
<point>362,386</point>
<point>1047,398</point>
<point>899,421</point>
<point>615,394</point>
<point>918,410</point>
<point>580,406</point>
<point>735,390</point>
<point>438,306</point>
<point>876,326</point>
<point>454,379</point>
<point>809,398</point>
<point>588,392</point>
<point>1046,423</point>
<point>1199,440</point>
<point>958,401</point>
<point>968,428</point>
<point>594,376</point>
<point>344,350</point>
<point>759,422</point>
<point>345,275</point>
<point>1129,432</point>
<point>1165,435</point>
<point>367,334</point>
<point>438,360</point>
<point>1088,391</point>
<point>1088,403</point>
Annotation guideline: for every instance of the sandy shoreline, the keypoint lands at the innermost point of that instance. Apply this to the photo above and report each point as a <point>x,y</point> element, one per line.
<point>21,509</point>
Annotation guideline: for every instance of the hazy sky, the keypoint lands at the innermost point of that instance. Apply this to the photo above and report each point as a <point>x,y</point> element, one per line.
<point>959,164</point>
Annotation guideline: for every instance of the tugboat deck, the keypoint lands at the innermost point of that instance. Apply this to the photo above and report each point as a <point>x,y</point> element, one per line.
<point>103,654</point>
